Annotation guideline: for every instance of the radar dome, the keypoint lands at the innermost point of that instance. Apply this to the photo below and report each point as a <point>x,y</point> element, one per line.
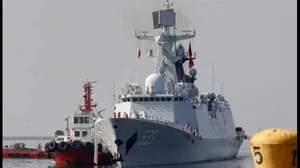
<point>162,69</point>
<point>155,83</point>
<point>193,72</point>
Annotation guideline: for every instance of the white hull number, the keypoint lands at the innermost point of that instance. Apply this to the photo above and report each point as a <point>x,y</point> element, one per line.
<point>148,137</point>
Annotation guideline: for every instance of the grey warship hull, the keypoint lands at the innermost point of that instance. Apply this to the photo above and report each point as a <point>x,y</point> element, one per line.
<point>170,145</point>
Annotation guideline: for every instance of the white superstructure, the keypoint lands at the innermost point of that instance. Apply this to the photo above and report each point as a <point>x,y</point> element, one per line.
<point>169,122</point>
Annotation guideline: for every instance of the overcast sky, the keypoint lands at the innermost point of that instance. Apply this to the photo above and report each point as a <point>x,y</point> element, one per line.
<point>51,47</point>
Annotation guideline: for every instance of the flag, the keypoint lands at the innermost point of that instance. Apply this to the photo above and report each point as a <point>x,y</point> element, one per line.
<point>190,50</point>
<point>139,53</point>
<point>191,63</point>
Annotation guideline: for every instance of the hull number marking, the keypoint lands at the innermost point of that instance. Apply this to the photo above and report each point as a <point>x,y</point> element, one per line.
<point>148,137</point>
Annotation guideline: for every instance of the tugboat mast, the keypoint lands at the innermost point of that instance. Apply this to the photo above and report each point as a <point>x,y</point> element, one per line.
<point>87,107</point>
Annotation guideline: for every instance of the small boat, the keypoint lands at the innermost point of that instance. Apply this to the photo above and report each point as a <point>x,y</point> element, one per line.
<point>19,150</point>
<point>77,147</point>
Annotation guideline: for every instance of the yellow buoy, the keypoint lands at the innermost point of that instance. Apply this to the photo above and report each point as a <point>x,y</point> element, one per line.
<point>274,148</point>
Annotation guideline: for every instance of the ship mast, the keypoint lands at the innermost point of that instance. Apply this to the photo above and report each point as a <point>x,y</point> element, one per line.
<point>166,39</point>
<point>87,107</point>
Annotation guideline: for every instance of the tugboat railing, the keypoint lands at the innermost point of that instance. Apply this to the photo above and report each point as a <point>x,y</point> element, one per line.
<point>7,138</point>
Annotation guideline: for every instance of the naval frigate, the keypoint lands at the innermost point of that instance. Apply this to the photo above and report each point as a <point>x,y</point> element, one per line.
<point>169,122</point>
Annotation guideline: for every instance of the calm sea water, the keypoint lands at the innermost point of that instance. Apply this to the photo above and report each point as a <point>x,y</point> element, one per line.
<point>243,160</point>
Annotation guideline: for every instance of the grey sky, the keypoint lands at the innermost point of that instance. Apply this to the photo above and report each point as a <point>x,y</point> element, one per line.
<point>51,47</point>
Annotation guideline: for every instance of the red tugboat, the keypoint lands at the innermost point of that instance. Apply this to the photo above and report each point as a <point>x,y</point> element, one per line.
<point>78,146</point>
<point>18,150</point>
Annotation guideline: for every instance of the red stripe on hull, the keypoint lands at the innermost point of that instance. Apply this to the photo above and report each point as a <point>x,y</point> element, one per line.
<point>79,156</point>
<point>24,153</point>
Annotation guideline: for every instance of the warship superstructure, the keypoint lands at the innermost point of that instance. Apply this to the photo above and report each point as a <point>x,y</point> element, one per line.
<point>169,122</point>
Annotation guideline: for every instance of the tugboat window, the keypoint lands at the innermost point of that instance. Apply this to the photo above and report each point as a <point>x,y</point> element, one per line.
<point>180,98</point>
<point>163,99</point>
<point>157,99</point>
<point>141,99</point>
<point>75,120</point>
<point>169,99</point>
<point>84,133</point>
<point>146,99</point>
<point>175,98</point>
<point>86,120</point>
<point>134,99</point>
<point>77,133</point>
<point>151,99</point>
<point>80,120</point>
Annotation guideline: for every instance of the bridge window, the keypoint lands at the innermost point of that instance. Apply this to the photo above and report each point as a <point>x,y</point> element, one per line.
<point>77,133</point>
<point>141,99</point>
<point>169,99</point>
<point>75,120</point>
<point>80,120</point>
<point>134,99</point>
<point>84,133</point>
<point>163,99</point>
<point>128,99</point>
<point>146,99</point>
<point>60,138</point>
<point>86,120</point>
<point>151,99</point>
<point>124,99</point>
<point>157,99</point>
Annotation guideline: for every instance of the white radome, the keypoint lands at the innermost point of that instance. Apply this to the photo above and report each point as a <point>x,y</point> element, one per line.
<point>155,83</point>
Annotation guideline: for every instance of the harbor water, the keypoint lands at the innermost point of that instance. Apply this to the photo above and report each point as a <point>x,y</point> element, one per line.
<point>243,160</point>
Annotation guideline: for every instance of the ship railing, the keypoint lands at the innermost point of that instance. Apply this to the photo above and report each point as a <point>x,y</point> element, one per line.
<point>80,125</point>
<point>28,138</point>
<point>144,33</point>
<point>185,33</point>
<point>182,33</point>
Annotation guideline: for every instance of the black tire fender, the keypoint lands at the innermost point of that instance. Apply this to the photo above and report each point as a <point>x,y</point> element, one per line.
<point>63,145</point>
<point>52,145</point>
<point>76,144</point>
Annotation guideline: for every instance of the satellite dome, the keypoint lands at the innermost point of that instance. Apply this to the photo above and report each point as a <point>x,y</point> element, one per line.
<point>155,83</point>
<point>193,72</point>
<point>162,69</point>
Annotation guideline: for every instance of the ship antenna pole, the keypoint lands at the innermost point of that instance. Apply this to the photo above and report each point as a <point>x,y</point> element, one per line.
<point>114,96</point>
<point>168,4</point>
<point>222,89</point>
<point>213,75</point>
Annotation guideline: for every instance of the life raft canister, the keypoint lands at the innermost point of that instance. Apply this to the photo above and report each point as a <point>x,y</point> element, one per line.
<point>119,114</point>
<point>126,115</point>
